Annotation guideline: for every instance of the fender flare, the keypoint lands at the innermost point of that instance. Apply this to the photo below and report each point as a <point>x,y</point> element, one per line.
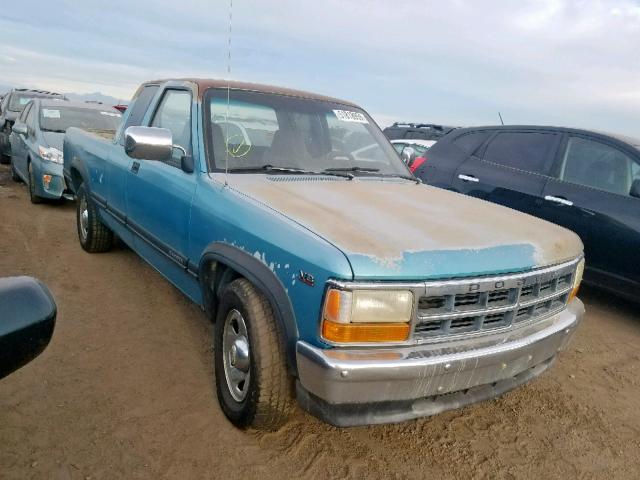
<point>76,164</point>
<point>264,279</point>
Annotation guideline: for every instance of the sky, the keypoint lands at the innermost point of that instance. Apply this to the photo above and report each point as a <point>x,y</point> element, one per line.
<point>458,62</point>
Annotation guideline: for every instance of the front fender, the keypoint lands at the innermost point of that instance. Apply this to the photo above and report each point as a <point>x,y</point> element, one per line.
<point>264,279</point>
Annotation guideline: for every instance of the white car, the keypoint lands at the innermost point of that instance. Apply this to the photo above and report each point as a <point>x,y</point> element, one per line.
<point>411,150</point>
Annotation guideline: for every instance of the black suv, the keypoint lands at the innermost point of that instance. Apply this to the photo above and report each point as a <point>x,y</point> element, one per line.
<point>586,181</point>
<point>11,106</point>
<point>416,131</point>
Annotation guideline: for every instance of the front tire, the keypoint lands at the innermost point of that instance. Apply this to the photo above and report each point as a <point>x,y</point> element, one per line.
<point>14,175</point>
<point>252,383</point>
<point>32,186</point>
<point>94,236</point>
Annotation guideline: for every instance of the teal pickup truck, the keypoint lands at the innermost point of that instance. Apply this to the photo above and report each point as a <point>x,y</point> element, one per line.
<point>331,274</point>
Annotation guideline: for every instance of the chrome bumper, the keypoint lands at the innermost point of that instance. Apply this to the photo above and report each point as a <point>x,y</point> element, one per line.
<point>362,386</point>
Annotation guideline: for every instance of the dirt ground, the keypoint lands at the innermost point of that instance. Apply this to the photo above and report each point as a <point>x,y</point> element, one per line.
<point>126,389</point>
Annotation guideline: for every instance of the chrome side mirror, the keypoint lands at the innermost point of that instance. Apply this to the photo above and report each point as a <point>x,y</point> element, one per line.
<point>148,143</point>
<point>20,129</point>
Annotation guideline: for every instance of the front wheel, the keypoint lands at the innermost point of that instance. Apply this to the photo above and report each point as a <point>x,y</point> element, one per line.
<point>14,175</point>
<point>32,186</point>
<point>252,383</point>
<point>94,236</point>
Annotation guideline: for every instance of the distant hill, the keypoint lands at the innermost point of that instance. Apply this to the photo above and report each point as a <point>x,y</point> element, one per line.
<point>82,97</point>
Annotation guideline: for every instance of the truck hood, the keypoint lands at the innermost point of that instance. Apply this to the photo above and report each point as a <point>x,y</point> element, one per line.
<point>396,229</point>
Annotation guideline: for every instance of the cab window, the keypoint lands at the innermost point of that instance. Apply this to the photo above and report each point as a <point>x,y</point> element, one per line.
<point>174,113</point>
<point>139,107</point>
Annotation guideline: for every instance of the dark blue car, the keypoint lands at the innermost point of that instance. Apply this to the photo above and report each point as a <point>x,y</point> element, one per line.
<point>36,141</point>
<point>586,181</point>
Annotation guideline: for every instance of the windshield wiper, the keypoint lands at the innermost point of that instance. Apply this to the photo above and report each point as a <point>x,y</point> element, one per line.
<point>405,177</point>
<point>352,169</point>
<point>54,131</point>
<point>272,168</point>
<point>373,170</point>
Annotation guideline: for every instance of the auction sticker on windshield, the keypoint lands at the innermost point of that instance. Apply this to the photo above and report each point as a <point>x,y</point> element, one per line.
<point>348,116</point>
<point>46,113</point>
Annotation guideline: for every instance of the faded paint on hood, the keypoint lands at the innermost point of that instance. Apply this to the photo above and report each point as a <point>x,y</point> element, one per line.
<point>397,229</point>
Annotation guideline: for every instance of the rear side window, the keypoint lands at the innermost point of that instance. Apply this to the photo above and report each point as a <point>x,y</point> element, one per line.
<point>393,133</point>
<point>597,165</point>
<point>469,142</point>
<point>415,135</point>
<point>522,150</point>
<point>139,108</point>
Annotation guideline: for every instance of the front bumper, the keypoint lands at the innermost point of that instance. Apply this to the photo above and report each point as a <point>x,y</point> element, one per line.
<point>56,186</point>
<point>383,385</point>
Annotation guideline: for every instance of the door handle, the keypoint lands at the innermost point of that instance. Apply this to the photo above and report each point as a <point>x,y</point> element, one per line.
<point>468,178</point>
<point>559,200</point>
<point>135,167</point>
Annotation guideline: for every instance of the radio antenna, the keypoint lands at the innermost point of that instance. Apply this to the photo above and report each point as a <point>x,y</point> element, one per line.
<point>500,115</point>
<point>226,117</point>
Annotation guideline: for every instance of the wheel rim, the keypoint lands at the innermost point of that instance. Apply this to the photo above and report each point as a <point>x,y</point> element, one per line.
<point>84,217</point>
<point>235,355</point>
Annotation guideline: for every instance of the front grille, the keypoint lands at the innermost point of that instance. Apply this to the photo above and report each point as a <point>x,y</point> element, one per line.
<point>487,304</point>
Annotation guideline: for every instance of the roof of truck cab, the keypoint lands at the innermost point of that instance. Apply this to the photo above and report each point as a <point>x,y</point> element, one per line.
<point>207,83</point>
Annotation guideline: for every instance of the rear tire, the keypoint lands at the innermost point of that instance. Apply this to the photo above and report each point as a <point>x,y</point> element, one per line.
<point>5,159</point>
<point>253,386</point>
<point>94,236</point>
<point>32,187</point>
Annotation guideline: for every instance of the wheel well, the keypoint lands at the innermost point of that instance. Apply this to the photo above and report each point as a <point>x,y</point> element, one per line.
<point>216,276</point>
<point>221,264</point>
<point>76,179</point>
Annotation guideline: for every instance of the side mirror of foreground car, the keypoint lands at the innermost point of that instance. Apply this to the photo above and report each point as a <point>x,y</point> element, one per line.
<point>27,320</point>
<point>148,143</point>
<point>635,188</point>
<point>20,129</point>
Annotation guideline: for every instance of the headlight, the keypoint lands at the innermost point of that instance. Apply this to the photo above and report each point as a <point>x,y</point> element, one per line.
<point>577,279</point>
<point>50,154</point>
<point>365,316</point>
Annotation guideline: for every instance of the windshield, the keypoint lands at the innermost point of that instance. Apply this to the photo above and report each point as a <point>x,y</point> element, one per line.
<point>19,100</point>
<point>59,118</point>
<point>270,132</point>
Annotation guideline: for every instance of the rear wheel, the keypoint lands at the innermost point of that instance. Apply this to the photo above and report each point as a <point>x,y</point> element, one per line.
<point>94,236</point>
<point>32,186</point>
<point>253,386</point>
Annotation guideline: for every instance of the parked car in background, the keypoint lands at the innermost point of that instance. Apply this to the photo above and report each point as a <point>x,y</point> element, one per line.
<point>416,131</point>
<point>412,152</point>
<point>37,136</point>
<point>10,108</point>
<point>586,181</point>
<point>328,269</point>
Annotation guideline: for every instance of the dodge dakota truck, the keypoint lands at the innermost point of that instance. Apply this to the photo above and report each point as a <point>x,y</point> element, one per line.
<point>289,218</point>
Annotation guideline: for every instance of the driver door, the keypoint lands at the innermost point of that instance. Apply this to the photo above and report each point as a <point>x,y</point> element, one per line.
<point>159,193</point>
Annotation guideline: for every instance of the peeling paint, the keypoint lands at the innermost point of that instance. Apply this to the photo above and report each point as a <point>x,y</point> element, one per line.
<point>406,229</point>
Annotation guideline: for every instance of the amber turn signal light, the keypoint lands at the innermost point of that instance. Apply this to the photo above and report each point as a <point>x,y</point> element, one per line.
<point>364,332</point>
